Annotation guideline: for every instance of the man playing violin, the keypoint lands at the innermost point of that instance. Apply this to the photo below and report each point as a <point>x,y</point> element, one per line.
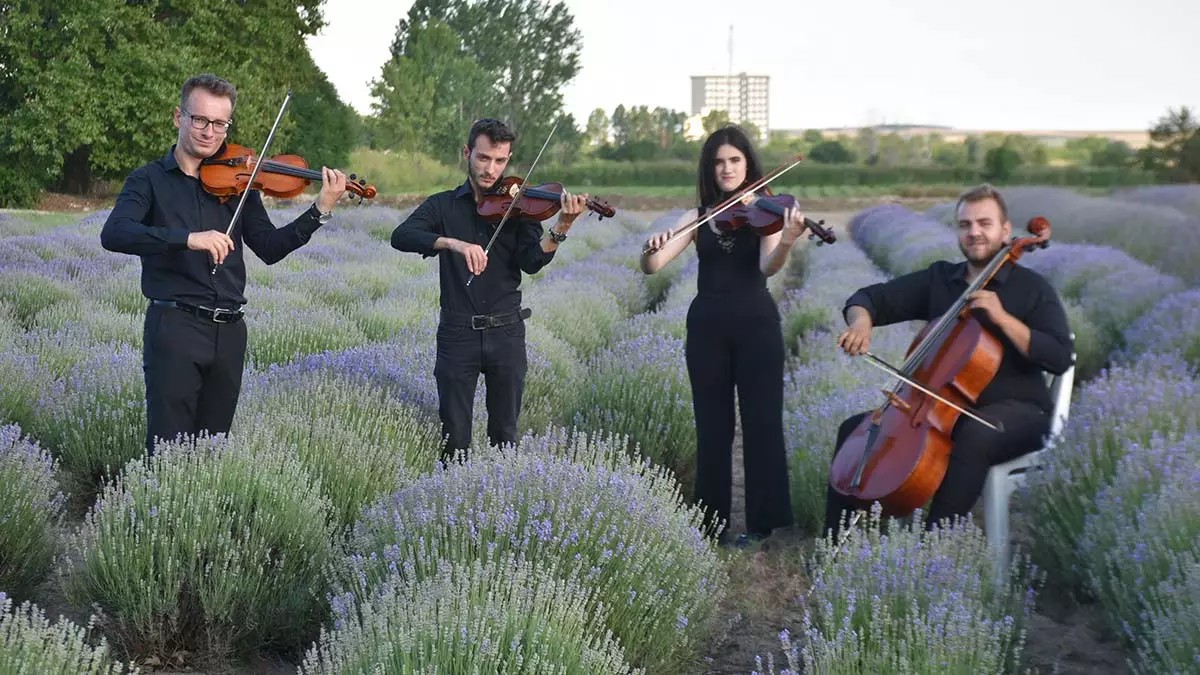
<point>194,342</point>
<point>1018,306</point>
<point>481,327</point>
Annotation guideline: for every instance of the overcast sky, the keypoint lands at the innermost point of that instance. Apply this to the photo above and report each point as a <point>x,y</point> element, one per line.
<point>1035,64</point>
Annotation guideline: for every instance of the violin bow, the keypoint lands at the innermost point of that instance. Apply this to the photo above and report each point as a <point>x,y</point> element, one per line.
<point>761,182</point>
<point>891,370</point>
<point>254,173</point>
<point>496,232</point>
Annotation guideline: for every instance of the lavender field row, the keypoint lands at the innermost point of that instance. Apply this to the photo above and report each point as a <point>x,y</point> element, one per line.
<point>322,528</point>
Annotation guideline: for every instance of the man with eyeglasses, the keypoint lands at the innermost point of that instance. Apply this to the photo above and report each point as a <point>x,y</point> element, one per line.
<point>194,342</point>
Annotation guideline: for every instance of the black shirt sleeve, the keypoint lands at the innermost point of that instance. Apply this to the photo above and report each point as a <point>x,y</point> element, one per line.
<point>268,242</point>
<point>419,232</point>
<point>1050,343</point>
<point>904,298</point>
<point>530,256</point>
<point>125,230</point>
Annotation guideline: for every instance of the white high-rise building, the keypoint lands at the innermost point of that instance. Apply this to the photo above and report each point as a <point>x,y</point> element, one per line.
<point>744,96</point>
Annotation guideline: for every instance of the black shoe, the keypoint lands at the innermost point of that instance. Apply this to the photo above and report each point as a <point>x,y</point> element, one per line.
<point>747,538</point>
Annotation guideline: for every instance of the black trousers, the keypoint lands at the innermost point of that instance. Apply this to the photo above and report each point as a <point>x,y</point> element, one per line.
<point>193,371</point>
<point>974,449</point>
<point>735,341</point>
<point>464,353</point>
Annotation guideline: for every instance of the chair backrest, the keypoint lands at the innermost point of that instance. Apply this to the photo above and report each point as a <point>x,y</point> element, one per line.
<point>1060,394</point>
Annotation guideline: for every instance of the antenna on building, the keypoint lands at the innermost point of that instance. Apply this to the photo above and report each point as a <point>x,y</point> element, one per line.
<point>729,78</point>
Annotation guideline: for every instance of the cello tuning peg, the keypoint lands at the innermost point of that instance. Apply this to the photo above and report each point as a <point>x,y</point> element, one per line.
<point>353,177</point>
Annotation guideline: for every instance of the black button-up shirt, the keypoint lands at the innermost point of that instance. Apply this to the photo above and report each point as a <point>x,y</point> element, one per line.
<point>158,208</point>
<point>452,214</point>
<point>926,294</point>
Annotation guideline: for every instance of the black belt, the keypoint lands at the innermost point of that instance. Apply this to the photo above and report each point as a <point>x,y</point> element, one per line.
<point>484,321</point>
<point>217,315</point>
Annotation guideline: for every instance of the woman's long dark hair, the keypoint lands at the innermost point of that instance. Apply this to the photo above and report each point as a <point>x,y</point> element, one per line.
<point>709,193</point>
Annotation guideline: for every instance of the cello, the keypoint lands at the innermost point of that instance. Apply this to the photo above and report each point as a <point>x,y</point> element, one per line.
<point>899,453</point>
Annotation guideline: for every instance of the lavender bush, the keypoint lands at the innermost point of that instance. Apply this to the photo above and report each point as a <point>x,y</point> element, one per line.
<point>474,616</point>
<point>27,293</point>
<point>576,311</point>
<point>1185,198</point>
<point>355,438</point>
<point>281,335</point>
<point>1122,408</point>
<point>209,547</point>
<point>639,388</point>
<point>29,643</point>
<point>1146,525</point>
<point>577,505</point>
<point>31,507</point>
<point>1173,325</point>
<point>94,417</point>
<point>910,601</point>
<point>1160,236</point>
<point>1172,630</point>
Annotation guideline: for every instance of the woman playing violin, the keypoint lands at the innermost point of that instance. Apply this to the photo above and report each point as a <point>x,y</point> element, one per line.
<point>734,339</point>
<point>193,272</point>
<point>1016,306</point>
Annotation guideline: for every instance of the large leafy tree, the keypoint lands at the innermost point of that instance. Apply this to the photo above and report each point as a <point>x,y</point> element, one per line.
<point>527,49</point>
<point>1174,154</point>
<point>87,87</point>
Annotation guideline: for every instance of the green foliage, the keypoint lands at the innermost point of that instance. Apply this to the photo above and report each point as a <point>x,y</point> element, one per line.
<point>89,86</point>
<point>715,120</point>
<point>326,128</point>
<point>1174,155</point>
<point>209,547</point>
<point>30,644</point>
<point>830,152</point>
<point>500,58</point>
<point>999,164</point>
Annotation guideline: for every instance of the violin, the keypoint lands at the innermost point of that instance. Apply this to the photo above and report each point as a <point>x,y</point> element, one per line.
<point>532,203</point>
<point>899,453</point>
<point>227,174</point>
<point>764,215</point>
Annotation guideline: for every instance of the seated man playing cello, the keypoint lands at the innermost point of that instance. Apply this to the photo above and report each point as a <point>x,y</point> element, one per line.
<point>1017,307</point>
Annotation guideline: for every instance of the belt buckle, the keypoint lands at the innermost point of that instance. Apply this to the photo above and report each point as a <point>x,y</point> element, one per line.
<point>487,320</point>
<point>216,314</point>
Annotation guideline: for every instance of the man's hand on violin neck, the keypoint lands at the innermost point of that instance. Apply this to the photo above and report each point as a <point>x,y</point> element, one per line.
<point>217,243</point>
<point>572,206</point>
<point>333,186</point>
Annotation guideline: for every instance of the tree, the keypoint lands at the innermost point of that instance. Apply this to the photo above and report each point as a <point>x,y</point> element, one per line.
<point>715,119</point>
<point>830,152</point>
<point>326,128</point>
<point>88,87</point>
<point>1174,152</point>
<point>751,130</point>
<point>428,96</point>
<point>813,136</point>
<point>620,125</point>
<point>597,127</point>
<point>529,49</point>
<point>1113,154</point>
<point>999,163</point>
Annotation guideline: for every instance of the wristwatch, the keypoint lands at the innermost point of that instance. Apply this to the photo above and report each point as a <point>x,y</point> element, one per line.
<point>556,237</point>
<point>322,218</point>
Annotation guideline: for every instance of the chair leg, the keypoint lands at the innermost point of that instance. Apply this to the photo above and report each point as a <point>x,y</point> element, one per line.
<point>996,492</point>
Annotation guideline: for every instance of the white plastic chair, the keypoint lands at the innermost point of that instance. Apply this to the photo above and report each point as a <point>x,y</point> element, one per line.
<point>1004,479</point>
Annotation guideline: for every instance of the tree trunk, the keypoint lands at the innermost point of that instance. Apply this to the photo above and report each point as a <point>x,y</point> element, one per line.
<point>77,171</point>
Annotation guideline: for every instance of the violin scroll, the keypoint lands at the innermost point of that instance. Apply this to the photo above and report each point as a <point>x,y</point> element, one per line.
<point>818,232</point>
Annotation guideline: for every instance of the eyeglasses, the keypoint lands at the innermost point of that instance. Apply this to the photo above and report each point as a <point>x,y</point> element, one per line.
<point>201,123</point>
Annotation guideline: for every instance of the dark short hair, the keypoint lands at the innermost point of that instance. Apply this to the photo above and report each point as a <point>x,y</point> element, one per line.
<point>709,193</point>
<point>210,83</point>
<point>494,129</point>
<point>980,193</point>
